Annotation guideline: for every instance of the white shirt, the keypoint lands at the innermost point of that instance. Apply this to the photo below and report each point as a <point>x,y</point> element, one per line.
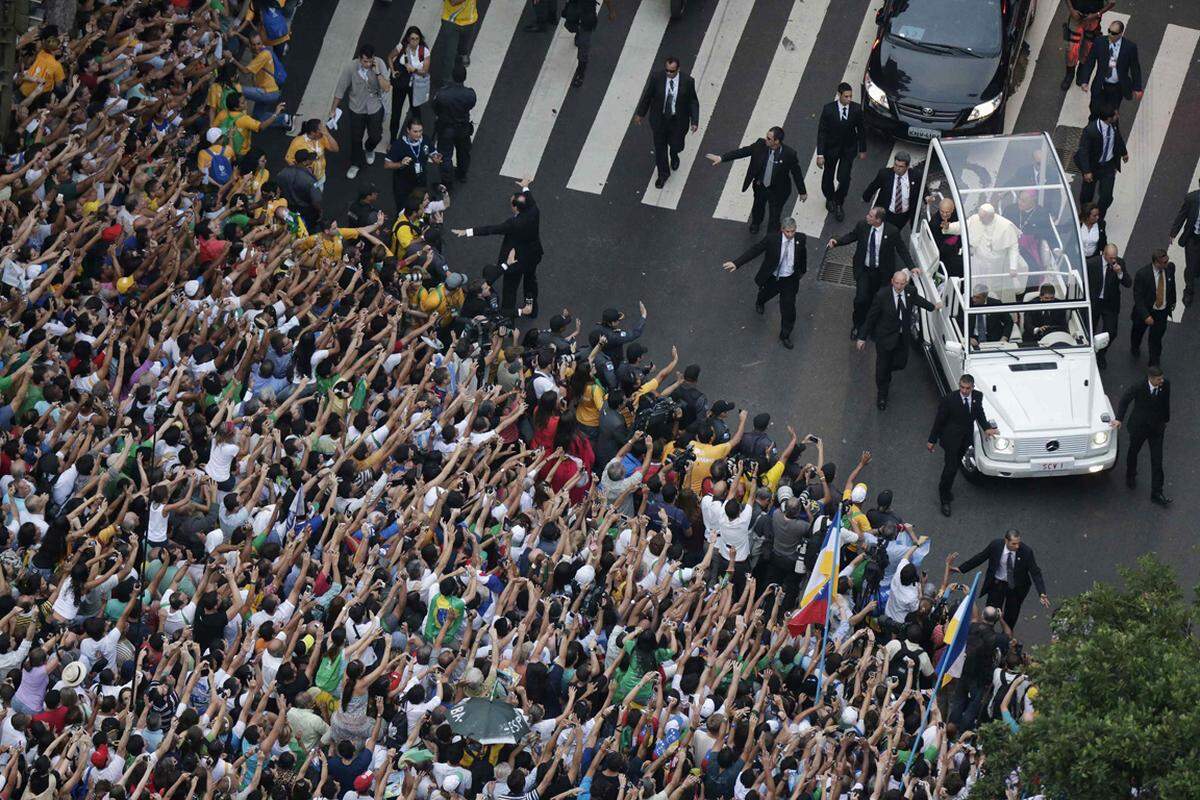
<point>220,459</point>
<point>900,193</point>
<point>672,95</point>
<point>1090,239</point>
<point>1002,567</point>
<point>724,532</point>
<point>843,111</point>
<point>903,599</point>
<point>787,257</point>
<point>1114,50</point>
<point>542,383</point>
<point>65,484</point>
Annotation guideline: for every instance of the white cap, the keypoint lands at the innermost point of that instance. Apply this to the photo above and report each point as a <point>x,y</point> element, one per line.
<point>191,288</point>
<point>707,709</point>
<point>451,782</point>
<point>585,575</point>
<point>849,717</point>
<point>858,493</point>
<point>213,135</point>
<point>518,535</point>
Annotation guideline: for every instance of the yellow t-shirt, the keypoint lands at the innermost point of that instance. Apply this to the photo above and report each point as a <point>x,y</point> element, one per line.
<point>855,516</point>
<point>706,454</point>
<point>316,147</point>
<point>245,123</point>
<point>462,13</point>
<point>45,68</point>
<point>263,67</point>
<point>647,387</point>
<point>588,411</point>
<point>331,246</point>
<point>771,477</point>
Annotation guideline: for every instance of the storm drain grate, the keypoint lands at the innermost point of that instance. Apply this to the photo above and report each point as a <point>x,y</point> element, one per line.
<point>1066,142</point>
<point>838,267</point>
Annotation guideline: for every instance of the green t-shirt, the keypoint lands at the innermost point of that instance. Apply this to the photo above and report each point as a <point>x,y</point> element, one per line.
<point>628,678</point>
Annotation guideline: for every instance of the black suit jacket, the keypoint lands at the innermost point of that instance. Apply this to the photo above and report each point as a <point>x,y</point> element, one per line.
<point>1151,413</point>
<point>891,248</point>
<point>1025,571</point>
<point>786,165</point>
<point>885,182</point>
<point>654,97</point>
<point>884,326</point>
<point>520,231</point>
<point>1098,271</point>
<point>841,138</point>
<point>952,425</point>
<point>769,247</point>
<point>1091,148</point>
<point>1129,67</point>
<point>1144,291</point>
<point>1185,220</point>
<point>999,326</point>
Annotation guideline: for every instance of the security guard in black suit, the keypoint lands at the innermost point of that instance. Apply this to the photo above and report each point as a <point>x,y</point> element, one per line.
<point>879,253</point>
<point>783,265</point>
<point>670,102</point>
<point>957,415</point>
<point>1153,302</point>
<point>1146,423</point>
<point>841,133</point>
<point>1187,227</point>
<point>889,325</point>
<point>773,167</point>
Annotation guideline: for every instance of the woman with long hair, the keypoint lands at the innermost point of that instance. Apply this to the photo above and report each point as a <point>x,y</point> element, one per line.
<point>409,61</point>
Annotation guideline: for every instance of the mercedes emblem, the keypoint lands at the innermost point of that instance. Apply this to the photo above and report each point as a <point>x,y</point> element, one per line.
<point>1052,445</point>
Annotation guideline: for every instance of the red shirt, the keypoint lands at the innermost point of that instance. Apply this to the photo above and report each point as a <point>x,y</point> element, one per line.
<point>55,718</point>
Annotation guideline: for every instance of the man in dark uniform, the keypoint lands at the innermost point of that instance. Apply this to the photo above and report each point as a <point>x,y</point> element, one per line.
<point>670,102</point>
<point>452,104</point>
<point>841,133</point>
<point>772,165</point>
<point>957,415</point>
<point>1146,423</point>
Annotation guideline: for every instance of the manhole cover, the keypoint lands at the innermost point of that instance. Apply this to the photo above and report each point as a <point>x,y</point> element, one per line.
<point>1066,142</point>
<point>838,267</point>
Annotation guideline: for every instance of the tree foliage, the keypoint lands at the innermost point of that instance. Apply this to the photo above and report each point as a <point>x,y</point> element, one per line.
<point>1118,703</point>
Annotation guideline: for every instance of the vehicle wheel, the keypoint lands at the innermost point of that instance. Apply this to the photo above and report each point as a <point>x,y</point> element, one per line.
<point>970,471</point>
<point>677,8</point>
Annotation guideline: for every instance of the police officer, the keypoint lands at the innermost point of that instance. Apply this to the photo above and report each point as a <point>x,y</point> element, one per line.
<point>452,106</point>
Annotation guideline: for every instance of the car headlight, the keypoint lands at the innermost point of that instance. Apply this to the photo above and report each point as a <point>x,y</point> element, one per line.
<point>1002,444</point>
<point>877,97</point>
<point>1100,438</point>
<point>985,110</point>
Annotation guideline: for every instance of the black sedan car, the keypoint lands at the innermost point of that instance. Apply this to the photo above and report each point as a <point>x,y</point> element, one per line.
<point>943,67</point>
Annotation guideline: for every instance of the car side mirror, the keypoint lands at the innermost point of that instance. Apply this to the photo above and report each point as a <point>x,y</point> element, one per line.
<point>954,349</point>
<point>1101,341</point>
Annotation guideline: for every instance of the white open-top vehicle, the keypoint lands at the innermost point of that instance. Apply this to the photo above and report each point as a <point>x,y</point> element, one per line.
<point>1034,358</point>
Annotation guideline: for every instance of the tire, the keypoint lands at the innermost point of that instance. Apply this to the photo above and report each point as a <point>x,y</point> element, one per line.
<point>969,471</point>
<point>677,8</point>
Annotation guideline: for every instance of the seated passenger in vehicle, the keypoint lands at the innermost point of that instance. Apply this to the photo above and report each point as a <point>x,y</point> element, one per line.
<point>995,327</point>
<point>1040,322</point>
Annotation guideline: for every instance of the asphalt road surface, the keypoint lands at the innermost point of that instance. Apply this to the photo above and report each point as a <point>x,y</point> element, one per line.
<point>612,240</point>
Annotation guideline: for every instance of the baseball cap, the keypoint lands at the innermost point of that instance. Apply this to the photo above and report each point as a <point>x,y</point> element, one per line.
<point>722,406</point>
<point>363,782</point>
<point>214,135</point>
<point>455,280</point>
<point>559,321</point>
<point>859,492</point>
<point>610,315</point>
<point>100,756</point>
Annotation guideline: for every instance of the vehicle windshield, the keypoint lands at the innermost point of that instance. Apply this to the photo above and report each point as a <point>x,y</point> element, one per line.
<point>1041,325</point>
<point>970,27</point>
<point>1001,211</point>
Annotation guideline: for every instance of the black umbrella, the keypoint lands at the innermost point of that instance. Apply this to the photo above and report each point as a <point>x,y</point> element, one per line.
<point>487,721</point>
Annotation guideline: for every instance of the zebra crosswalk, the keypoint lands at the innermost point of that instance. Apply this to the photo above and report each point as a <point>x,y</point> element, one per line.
<point>598,159</point>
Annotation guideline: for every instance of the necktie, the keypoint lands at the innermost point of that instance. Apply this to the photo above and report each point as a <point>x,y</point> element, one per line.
<point>897,198</point>
<point>871,250</point>
<point>967,403</point>
<point>844,109</point>
<point>1012,561</point>
<point>900,308</point>
<point>669,105</point>
<point>1196,227</point>
<point>769,168</point>
<point>1103,281</point>
<point>1107,154</point>
<point>1154,392</point>
<point>1160,290</point>
<point>981,328</point>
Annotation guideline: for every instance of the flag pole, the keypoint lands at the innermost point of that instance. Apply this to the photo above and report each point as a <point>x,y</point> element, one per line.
<point>937,684</point>
<point>831,589</point>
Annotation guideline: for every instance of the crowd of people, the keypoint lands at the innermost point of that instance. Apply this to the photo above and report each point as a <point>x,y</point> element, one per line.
<point>282,487</point>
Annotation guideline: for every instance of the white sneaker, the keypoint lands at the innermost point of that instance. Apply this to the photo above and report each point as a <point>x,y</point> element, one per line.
<point>370,156</point>
<point>352,173</point>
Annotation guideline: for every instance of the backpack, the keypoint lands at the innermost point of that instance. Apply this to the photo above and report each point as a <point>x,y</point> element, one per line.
<point>905,661</point>
<point>992,710</point>
<point>655,415</point>
<point>274,24</point>
<point>278,70</point>
<point>220,169</point>
<point>229,127</point>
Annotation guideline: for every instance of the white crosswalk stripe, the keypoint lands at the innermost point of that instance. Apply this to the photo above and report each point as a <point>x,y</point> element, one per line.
<point>620,100</point>
<point>777,94</point>
<point>487,55</point>
<point>337,49</point>
<point>541,112</point>
<point>1075,104</point>
<point>811,215</point>
<point>1035,37</point>
<point>1145,138</point>
<point>709,71</point>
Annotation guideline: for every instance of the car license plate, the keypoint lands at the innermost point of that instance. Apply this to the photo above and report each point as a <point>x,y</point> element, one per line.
<point>924,133</point>
<point>1054,465</point>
